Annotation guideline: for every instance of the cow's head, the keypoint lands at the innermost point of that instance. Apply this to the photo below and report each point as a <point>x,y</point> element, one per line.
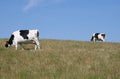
<point>7,44</point>
<point>10,42</point>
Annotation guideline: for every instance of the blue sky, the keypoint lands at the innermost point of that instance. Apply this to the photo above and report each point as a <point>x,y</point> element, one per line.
<point>62,19</point>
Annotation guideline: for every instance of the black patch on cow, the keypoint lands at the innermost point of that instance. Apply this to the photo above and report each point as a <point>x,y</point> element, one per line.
<point>24,33</point>
<point>10,42</point>
<point>37,33</point>
<point>96,35</point>
<point>11,39</point>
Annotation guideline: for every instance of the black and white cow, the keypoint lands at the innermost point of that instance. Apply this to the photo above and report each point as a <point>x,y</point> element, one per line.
<point>23,36</point>
<point>98,37</point>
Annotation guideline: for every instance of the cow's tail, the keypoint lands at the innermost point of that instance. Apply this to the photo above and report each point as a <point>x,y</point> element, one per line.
<point>37,33</point>
<point>103,36</point>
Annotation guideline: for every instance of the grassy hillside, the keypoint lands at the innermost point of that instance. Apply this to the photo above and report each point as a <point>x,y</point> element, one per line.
<point>59,59</point>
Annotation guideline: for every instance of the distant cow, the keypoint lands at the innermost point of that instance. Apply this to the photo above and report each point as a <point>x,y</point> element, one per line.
<point>98,37</point>
<point>22,36</point>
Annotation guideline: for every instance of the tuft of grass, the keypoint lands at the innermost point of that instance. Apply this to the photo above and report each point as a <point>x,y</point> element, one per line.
<point>61,59</point>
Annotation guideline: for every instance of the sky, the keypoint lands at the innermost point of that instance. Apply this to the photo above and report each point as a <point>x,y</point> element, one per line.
<point>62,19</point>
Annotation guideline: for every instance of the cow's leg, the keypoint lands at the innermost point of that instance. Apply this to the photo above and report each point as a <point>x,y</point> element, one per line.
<point>37,44</point>
<point>91,39</point>
<point>16,45</point>
<point>21,44</point>
<point>94,39</point>
<point>103,39</point>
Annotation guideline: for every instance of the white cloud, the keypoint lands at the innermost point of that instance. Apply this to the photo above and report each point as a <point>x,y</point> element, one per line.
<point>33,3</point>
<point>30,4</point>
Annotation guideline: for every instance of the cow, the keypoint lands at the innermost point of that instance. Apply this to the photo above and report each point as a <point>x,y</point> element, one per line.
<point>23,36</point>
<point>98,37</point>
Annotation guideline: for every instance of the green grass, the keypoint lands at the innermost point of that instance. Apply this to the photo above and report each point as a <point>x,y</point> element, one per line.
<point>61,59</point>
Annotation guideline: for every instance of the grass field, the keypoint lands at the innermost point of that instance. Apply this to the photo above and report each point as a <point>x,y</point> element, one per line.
<point>61,59</point>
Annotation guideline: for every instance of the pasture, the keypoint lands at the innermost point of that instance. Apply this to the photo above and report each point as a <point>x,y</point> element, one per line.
<point>61,59</point>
